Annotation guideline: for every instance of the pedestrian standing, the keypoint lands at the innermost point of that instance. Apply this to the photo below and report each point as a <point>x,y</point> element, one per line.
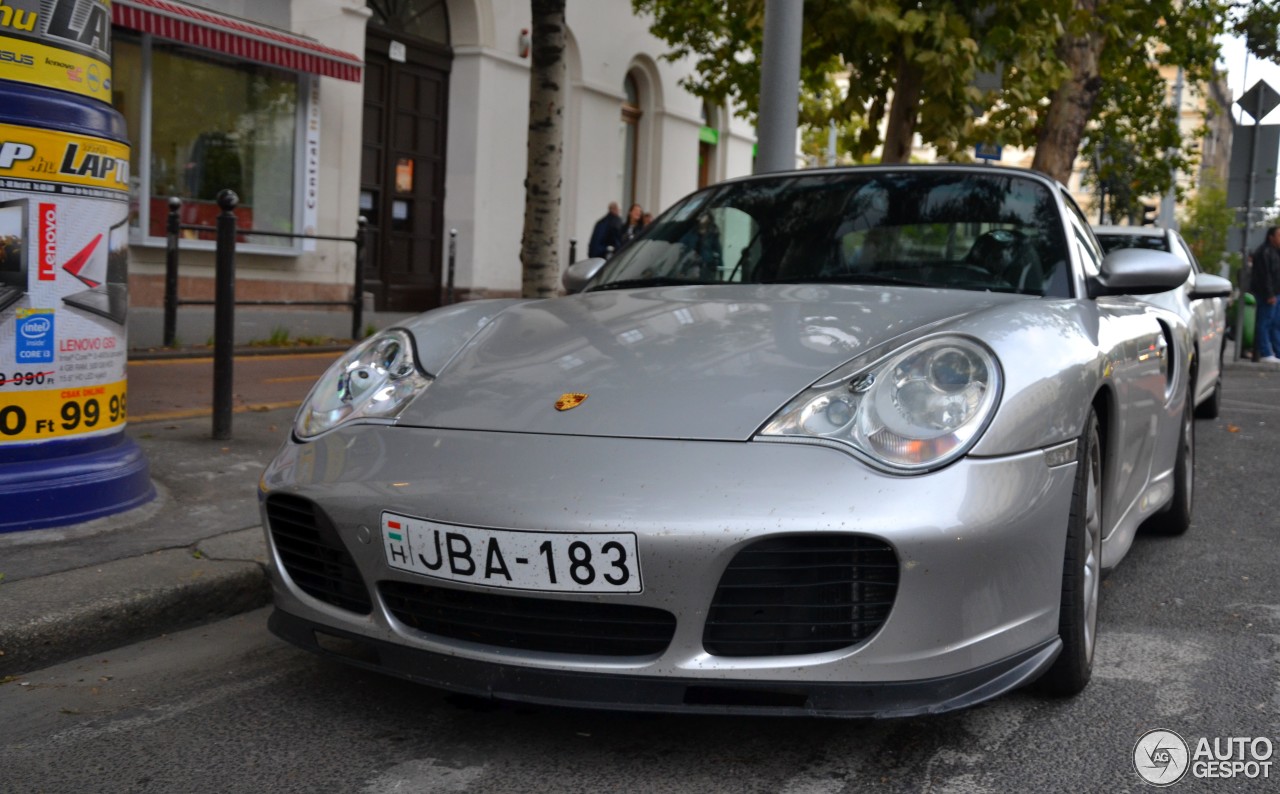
<point>1264,284</point>
<point>634,224</point>
<point>606,237</point>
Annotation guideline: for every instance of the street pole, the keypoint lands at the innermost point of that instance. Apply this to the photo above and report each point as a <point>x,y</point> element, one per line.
<point>1246,269</point>
<point>173,229</point>
<point>779,86</point>
<point>1167,217</point>
<point>224,314</point>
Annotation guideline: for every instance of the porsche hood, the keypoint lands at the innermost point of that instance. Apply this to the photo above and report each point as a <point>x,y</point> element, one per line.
<point>671,362</point>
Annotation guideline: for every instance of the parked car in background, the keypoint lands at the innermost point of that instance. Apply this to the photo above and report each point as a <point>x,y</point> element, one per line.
<point>834,442</point>
<point>1202,301</point>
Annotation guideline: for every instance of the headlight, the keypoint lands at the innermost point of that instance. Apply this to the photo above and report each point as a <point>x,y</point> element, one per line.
<point>916,410</point>
<point>373,381</point>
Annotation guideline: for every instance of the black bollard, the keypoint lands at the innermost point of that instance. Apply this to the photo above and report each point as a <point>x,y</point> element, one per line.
<point>453,258</point>
<point>357,299</point>
<point>224,315</point>
<point>171,271</point>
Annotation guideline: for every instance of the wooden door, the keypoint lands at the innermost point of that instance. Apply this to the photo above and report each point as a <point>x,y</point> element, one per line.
<point>402,171</point>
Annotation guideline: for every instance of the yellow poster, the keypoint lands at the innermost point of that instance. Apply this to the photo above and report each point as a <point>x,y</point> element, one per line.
<point>62,44</point>
<point>64,285</point>
<point>46,414</point>
<point>30,155</point>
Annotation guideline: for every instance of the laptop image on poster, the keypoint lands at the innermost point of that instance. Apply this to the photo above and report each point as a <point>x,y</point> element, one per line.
<point>13,252</point>
<point>108,293</point>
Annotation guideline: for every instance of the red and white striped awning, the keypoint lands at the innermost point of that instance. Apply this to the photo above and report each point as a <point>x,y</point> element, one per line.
<point>220,33</point>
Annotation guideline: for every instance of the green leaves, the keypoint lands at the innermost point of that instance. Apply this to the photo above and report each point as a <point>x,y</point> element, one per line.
<point>855,51</point>
<point>1206,222</point>
<point>1258,23</point>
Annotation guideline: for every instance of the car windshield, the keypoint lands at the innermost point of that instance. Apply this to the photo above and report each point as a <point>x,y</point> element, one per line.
<point>948,229</point>
<point>1111,242</point>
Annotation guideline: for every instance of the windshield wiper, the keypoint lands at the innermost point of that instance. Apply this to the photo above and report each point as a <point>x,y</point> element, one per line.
<point>653,281</point>
<point>850,278</point>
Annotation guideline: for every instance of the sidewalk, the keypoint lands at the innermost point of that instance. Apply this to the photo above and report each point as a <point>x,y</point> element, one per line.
<point>195,554</point>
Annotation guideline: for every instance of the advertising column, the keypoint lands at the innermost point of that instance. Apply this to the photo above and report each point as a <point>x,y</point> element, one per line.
<point>64,254</point>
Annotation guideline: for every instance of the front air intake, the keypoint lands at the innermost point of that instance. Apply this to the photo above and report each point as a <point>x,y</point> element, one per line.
<point>313,554</point>
<point>802,594</point>
<point>530,624</point>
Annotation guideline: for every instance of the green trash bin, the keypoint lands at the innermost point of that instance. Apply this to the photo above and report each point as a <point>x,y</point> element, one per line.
<point>1249,318</point>
<point>1249,315</point>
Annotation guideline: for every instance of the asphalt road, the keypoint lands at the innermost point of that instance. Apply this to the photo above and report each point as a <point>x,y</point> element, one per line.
<point>1189,642</point>
<point>182,388</point>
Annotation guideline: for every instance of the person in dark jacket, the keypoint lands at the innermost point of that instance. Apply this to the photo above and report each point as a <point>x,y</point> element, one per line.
<point>607,233</point>
<point>1264,283</point>
<point>634,224</point>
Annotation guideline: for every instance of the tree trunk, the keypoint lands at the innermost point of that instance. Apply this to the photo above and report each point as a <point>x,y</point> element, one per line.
<point>900,132</point>
<point>540,243</point>
<point>1071,106</point>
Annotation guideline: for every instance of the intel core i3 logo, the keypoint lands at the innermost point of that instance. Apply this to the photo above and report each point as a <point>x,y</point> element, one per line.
<point>35,336</point>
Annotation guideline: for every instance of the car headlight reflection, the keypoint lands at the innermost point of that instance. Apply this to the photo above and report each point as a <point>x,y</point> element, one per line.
<point>374,381</point>
<point>916,410</point>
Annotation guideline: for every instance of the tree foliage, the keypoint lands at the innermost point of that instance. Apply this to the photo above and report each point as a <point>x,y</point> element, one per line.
<point>1206,223</point>
<point>1110,49</point>
<point>910,67</point>
<point>1129,157</point>
<point>1258,23</point>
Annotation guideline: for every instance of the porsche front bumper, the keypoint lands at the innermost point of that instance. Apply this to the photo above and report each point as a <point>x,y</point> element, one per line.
<point>978,548</point>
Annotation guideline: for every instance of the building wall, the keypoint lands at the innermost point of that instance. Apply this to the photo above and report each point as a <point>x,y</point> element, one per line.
<point>489,90</point>
<point>486,149</point>
<point>267,12</point>
<point>325,272</point>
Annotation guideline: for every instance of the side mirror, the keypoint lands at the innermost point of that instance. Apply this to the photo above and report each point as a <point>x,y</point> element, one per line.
<point>1210,286</point>
<point>578,274</point>
<point>1137,271</point>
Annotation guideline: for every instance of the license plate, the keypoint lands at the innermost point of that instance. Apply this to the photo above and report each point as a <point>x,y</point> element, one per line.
<point>604,562</point>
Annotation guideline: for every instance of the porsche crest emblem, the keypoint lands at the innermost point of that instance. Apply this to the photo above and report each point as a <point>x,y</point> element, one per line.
<point>569,401</point>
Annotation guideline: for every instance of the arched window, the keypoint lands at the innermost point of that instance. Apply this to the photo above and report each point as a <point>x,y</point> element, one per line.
<point>425,19</point>
<point>627,132</point>
<point>708,138</point>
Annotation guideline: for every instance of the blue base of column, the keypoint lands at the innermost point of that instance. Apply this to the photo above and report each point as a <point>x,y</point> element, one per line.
<point>57,483</point>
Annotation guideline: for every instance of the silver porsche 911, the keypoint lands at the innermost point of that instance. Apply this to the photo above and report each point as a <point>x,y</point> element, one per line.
<point>848,442</point>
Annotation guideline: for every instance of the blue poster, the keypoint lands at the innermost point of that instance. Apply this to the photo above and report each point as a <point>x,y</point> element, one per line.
<point>35,336</point>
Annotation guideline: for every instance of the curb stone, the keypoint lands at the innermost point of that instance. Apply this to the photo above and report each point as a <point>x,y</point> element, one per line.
<point>51,619</point>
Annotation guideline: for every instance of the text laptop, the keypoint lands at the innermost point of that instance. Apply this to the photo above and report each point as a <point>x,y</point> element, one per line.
<point>107,296</point>
<point>13,252</point>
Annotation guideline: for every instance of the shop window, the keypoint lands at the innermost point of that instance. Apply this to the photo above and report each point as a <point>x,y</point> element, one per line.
<point>213,125</point>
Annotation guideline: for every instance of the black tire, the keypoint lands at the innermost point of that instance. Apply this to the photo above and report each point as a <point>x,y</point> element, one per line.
<point>1210,408</point>
<point>1081,574</point>
<point>1176,518</point>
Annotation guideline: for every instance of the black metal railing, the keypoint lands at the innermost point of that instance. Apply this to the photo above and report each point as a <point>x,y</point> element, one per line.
<point>175,228</point>
<point>224,301</point>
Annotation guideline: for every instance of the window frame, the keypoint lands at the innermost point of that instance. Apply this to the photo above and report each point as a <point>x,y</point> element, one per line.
<point>1086,243</point>
<point>631,112</point>
<point>140,236</point>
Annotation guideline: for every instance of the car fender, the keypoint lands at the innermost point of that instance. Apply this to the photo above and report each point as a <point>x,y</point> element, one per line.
<point>1053,363</point>
<point>1123,355</point>
<point>439,334</point>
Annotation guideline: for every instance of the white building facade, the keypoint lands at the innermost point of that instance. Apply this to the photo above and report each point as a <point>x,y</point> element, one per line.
<point>319,111</point>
